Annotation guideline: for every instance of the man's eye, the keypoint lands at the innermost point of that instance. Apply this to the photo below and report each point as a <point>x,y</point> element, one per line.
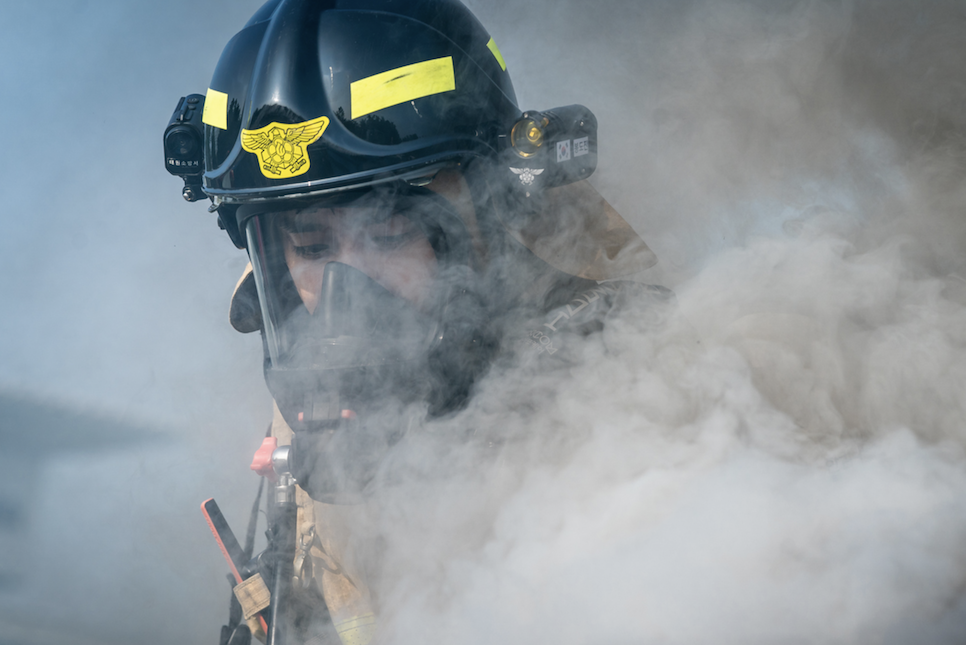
<point>312,251</point>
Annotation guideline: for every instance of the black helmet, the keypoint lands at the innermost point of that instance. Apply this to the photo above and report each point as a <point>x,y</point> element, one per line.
<point>316,96</point>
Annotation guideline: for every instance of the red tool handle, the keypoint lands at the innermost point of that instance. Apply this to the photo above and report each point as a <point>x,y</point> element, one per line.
<point>226,542</point>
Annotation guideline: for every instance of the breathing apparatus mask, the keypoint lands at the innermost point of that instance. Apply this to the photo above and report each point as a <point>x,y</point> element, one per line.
<point>369,310</point>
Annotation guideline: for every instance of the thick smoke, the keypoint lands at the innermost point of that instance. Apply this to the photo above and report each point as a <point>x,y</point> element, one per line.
<point>777,476</point>
<point>780,456</point>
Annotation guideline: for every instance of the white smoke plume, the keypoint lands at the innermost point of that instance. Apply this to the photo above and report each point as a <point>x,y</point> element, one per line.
<point>779,477</point>
<point>780,458</point>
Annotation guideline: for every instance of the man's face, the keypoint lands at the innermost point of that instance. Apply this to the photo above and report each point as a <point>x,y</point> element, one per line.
<point>386,246</point>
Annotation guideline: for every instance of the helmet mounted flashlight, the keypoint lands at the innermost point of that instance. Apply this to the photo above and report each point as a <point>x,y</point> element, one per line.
<point>553,148</point>
<point>526,137</point>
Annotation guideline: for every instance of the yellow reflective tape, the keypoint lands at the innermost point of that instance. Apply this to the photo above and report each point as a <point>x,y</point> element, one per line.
<point>496,53</point>
<point>216,109</point>
<point>281,147</point>
<point>402,84</point>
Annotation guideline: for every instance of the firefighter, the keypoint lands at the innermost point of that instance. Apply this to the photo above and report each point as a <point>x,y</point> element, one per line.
<point>404,219</point>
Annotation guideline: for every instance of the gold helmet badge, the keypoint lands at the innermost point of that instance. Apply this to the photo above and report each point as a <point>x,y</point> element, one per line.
<point>281,146</point>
